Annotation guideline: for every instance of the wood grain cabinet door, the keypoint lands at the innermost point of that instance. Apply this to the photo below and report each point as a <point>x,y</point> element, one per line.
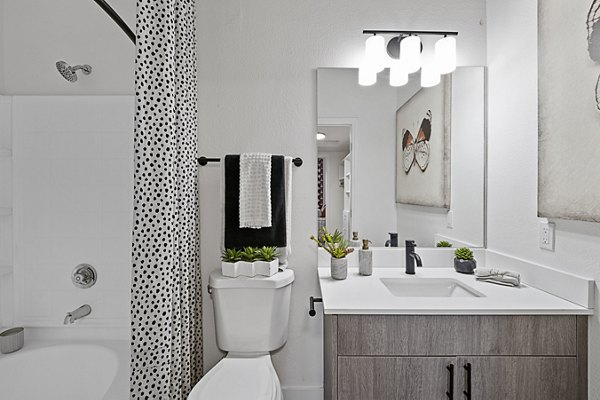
<point>395,378</point>
<point>517,378</point>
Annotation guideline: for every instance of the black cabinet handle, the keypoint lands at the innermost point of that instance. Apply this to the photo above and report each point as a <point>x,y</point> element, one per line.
<point>450,392</point>
<point>467,392</point>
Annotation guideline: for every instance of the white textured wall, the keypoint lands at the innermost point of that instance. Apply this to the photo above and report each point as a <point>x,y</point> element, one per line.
<point>37,33</point>
<point>257,91</point>
<point>6,230</point>
<point>73,182</point>
<point>512,176</point>
<point>2,40</point>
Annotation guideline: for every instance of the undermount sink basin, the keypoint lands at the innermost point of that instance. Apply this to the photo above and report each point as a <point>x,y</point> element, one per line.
<point>429,287</point>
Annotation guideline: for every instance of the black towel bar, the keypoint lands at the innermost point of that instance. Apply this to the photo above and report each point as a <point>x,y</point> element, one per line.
<point>205,160</point>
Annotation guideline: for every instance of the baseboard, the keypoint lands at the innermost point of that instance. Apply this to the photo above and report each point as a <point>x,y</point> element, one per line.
<point>302,393</point>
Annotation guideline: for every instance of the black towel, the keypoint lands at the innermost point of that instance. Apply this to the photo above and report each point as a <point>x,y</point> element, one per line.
<point>236,237</point>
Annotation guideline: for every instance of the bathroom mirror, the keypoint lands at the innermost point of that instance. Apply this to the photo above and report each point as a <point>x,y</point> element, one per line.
<point>380,171</point>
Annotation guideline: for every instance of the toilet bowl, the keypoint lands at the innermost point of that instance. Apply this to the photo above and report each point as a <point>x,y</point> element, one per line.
<point>238,377</point>
<point>251,320</point>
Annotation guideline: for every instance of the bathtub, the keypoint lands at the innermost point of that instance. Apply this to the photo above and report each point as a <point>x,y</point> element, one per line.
<point>63,370</point>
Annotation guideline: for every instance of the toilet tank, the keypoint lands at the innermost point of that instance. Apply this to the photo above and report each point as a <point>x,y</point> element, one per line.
<point>251,314</point>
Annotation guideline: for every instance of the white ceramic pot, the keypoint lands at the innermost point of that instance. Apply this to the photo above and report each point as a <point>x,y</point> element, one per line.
<point>266,268</point>
<point>339,268</point>
<point>246,268</point>
<point>229,269</point>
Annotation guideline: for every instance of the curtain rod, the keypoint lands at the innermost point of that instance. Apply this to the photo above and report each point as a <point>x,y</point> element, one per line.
<point>115,17</point>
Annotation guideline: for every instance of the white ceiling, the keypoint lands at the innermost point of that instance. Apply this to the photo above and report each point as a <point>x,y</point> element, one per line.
<point>337,139</point>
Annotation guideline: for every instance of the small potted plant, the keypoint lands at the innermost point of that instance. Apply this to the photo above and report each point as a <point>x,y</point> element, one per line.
<point>229,262</point>
<point>337,247</point>
<point>246,265</point>
<point>464,261</point>
<point>267,263</point>
<point>443,243</point>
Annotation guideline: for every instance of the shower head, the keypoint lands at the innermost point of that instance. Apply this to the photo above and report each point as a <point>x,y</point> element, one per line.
<point>70,73</point>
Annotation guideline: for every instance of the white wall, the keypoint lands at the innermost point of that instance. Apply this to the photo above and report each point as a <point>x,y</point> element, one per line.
<point>73,188</point>
<point>512,175</point>
<point>6,231</point>
<point>257,91</point>
<point>37,33</point>
<point>373,152</point>
<point>2,40</point>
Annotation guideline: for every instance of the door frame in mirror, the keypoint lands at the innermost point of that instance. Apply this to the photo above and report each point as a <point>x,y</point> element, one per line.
<point>354,128</point>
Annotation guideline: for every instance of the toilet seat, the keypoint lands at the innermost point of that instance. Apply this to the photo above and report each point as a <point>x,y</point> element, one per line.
<point>239,376</point>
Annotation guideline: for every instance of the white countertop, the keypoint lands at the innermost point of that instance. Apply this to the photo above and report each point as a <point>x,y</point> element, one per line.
<point>367,295</point>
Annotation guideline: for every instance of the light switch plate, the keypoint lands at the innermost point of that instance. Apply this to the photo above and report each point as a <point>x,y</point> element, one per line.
<point>450,220</point>
<point>547,236</point>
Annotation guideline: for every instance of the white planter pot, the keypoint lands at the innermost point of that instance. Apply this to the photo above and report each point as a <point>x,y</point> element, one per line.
<point>339,268</point>
<point>266,268</point>
<point>229,269</point>
<point>250,269</point>
<point>246,268</point>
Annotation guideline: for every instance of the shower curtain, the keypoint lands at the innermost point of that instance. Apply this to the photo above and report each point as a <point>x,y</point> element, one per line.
<point>166,320</point>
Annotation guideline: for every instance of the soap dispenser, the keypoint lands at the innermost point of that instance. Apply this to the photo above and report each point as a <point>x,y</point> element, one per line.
<point>355,242</point>
<point>365,259</point>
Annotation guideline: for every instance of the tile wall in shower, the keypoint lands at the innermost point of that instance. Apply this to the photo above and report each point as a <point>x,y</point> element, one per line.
<point>73,179</point>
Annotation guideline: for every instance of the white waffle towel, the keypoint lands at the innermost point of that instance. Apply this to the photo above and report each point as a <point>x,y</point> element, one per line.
<point>255,190</point>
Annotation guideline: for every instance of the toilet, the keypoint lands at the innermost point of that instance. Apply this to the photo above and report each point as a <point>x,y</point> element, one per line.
<point>251,320</point>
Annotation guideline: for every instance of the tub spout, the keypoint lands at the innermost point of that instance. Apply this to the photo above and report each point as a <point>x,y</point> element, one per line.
<point>79,313</point>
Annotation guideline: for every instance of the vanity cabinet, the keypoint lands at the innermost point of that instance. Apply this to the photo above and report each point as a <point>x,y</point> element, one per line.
<point>428,357</point>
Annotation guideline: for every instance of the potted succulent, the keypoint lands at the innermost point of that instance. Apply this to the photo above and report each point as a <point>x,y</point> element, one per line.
<point>267,263</point>
<point>443,243</point>
<point>246,264</point>
<point>337,247</point>
<point>249,261</point>
<point>229,262</point>
<point>464,262</point>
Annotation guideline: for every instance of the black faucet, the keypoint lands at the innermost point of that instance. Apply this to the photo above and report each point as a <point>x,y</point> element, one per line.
<point>411,257</point>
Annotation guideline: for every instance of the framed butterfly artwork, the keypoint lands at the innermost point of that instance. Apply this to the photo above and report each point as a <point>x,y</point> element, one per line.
<point>569,110</point>
<point>423,147</point>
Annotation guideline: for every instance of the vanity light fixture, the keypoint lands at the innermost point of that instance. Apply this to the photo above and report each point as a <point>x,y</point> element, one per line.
<point>366,76</point>
<point>321,136</point>
<point>406,54</point>
<point>375,53</point>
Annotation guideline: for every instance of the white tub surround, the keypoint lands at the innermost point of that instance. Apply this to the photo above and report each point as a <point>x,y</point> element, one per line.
<point>368,294</point>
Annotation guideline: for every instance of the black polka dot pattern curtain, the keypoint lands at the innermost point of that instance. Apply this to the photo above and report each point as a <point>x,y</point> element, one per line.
<point>166,320</point>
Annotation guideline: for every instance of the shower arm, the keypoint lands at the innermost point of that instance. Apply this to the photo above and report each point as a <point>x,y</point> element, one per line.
<point>85,68</point>
<point>115,17</point>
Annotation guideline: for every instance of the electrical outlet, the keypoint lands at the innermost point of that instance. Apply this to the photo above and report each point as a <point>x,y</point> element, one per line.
<point>547,235</point>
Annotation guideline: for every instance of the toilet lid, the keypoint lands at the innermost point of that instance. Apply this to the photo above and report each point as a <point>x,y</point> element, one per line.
<point>235,378</point>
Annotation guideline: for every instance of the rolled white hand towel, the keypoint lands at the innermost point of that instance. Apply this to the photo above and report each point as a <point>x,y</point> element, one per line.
<point>506,278</point>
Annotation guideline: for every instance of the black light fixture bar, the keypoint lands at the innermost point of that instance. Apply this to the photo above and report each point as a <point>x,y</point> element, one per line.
<point>384,32</point>
<point>115,17</point>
